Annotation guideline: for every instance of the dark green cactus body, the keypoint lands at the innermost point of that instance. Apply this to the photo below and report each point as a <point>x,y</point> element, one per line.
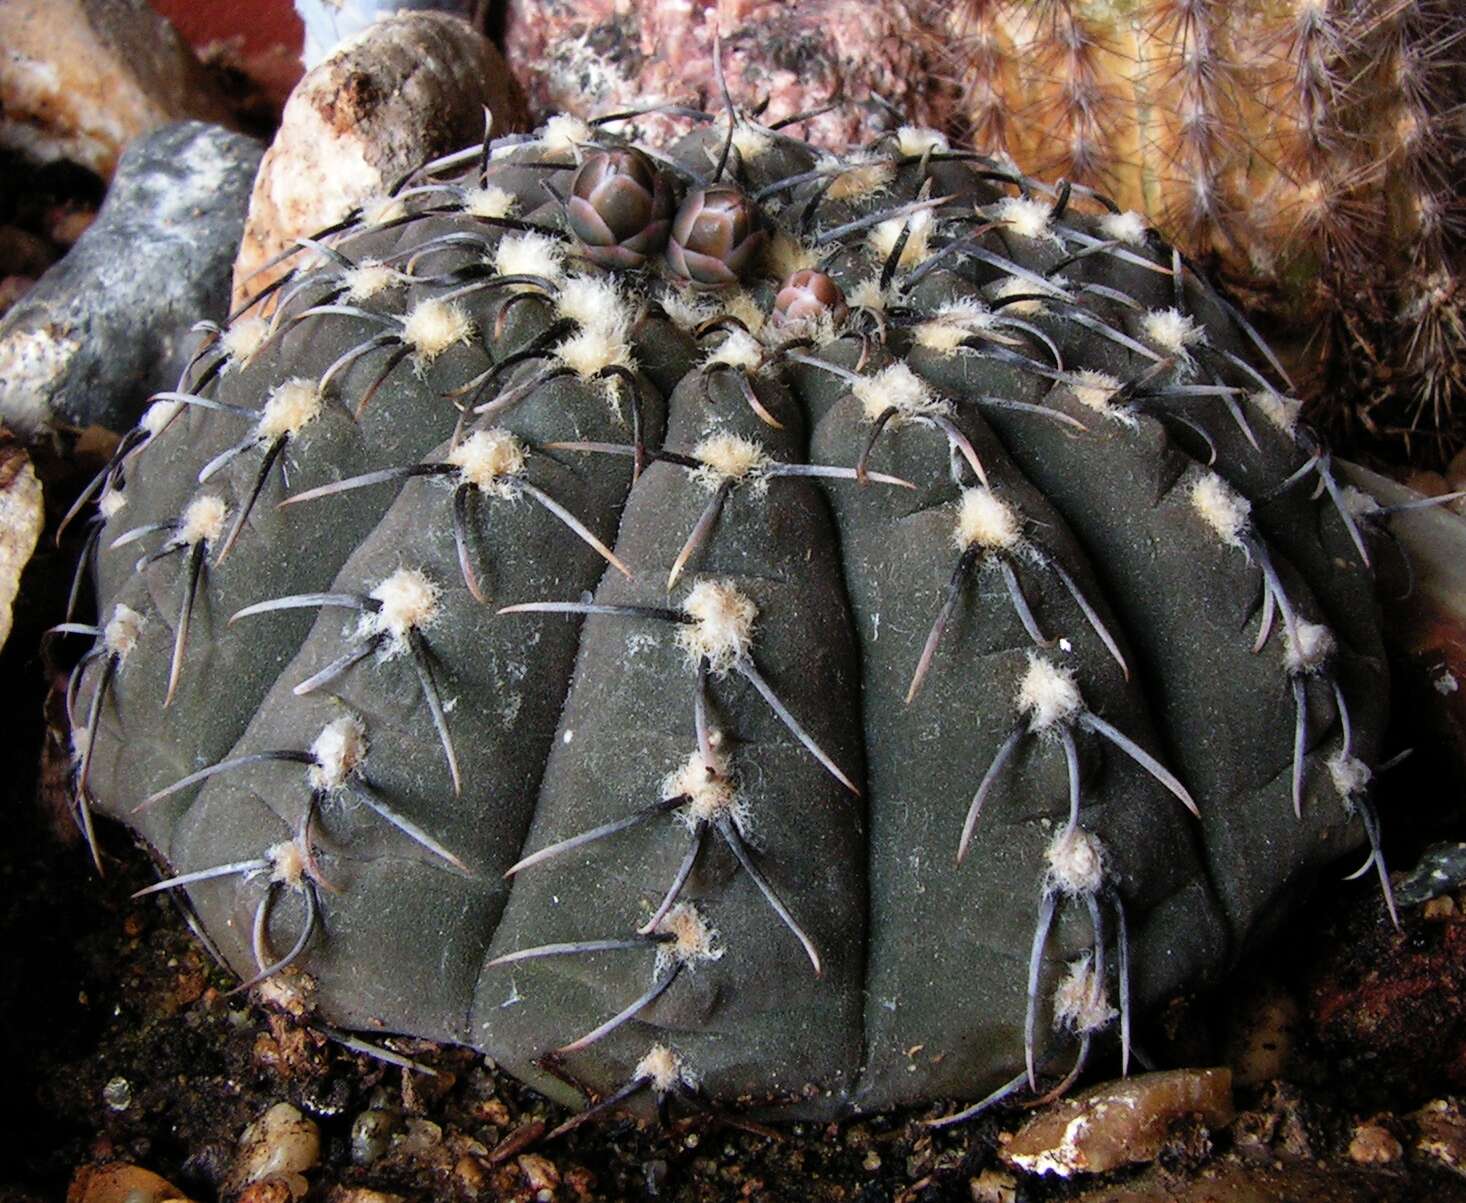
<point>587,628</point>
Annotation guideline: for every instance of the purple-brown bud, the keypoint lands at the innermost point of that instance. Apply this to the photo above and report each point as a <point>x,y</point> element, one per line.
<point>716,237</point>
<point>619,207</point>
<point>807,296</point>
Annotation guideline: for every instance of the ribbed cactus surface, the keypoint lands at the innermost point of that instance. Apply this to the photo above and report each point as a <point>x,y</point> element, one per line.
<point>746,621</point>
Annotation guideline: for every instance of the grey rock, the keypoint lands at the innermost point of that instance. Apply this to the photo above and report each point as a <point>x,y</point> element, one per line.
<point>108,325</point>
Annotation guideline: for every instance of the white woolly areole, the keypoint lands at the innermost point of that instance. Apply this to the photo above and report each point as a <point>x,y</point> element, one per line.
<point>490,460</point>
<point>409,602</point>
<point>111,502</point>
<point>915,140</point>
<point>338,750</point>
<point>530,254</point>
<point>1026,217</point>
<point>367,279</point>
<point>158,415</point>
<point>692,939</point>
<point>868,294</point>
<point>985,520</point>
<point>1081,1003</point>
<point>1076,860</point>
<point>287,863</point>
<point>1047,694</point>
<point>595,303</point>
<point>710,792</point>
<point>592,351</point>
<point>243,339</point>
<point>1350,774</point>
<point>883,237</point>
<point>433,326</point>
<point>861,175</point>
<point>896,387</point>
<point>686,309</point>
<point>721,630</point>
<point>954,323</point>
<point>749,140</point>
<point>1221,507</point>
<point>730,457</point>
<point>122,631</point>
<point>1014,286</point>
<point>739,349</point>
<point>1309,649</point>
<point>489,202</point>
<point>787,255</point>
<point>1172,331</point>
<point>289,407</point>
<point>1094,390</point>
<point>1124,227</point>
<point>739,304</point>
<point>664,1070</point>
<point>202,521</point>
<point>1283,412</point>
<point>564,132</point>
<point>1359,503</point>
<point>378,210</point>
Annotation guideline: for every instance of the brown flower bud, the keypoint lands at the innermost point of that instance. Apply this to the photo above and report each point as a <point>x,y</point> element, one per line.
<point>619,207</point>
<point>716,236</point>
<point>808,295</point>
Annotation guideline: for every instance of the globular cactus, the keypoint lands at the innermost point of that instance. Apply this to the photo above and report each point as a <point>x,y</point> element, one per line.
<point>853,639</point>
<point>1313,149</point>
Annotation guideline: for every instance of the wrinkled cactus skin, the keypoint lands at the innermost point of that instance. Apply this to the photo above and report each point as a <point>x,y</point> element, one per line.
<point>562,722</point>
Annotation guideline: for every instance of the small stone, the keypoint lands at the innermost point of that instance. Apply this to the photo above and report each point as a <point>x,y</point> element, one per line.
<point>1374,1144</point>
<point>109,324</point>
<point>1441,1129</point>
<point>360,1194</point>
<point>406,90</point>
<point>421,1136</point>
<point>993,1186</point>
<point>117,1094</point>
<point>276,1149</point>
<point>1439,909</point>
<point>872,1162</point>
<point>122,1183</point>
<point>1119,1123</point>
<point>80,79</point>
<point>539,1172</point>
<point>371,1134</point>
<point>22,514</point>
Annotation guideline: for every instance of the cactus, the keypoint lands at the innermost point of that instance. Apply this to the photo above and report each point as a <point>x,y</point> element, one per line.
<point>1312,149</point>
<point>737,621</point>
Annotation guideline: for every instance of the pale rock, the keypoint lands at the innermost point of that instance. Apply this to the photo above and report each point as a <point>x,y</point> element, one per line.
<point>22,514</point>
<point>407,89</point>
<point>80,79</point>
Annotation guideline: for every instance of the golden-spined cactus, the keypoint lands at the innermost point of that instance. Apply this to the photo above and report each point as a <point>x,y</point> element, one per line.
<point>1312,149</point>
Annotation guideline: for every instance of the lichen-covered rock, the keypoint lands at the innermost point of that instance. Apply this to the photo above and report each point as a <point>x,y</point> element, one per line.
<point>856,655</point>
<point>109,325</point>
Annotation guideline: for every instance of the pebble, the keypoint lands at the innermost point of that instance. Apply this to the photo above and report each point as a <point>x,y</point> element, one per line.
<point>276,1149</point>
<point>117,1094</point>
<point>122,1183</point>
<point>22,514</point>
<point>109,324</point>
<point>1374,1144</point>
<point>408,89</point>
<point>1119,1123</point>
<point>993,1186</point>
<point>371,1135</point>
<point>1441,1134</point>
<point>80,79</point>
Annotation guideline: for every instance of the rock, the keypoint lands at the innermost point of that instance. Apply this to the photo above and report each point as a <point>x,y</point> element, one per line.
<point>1441,1128</point>
<point>121,1183</point>
<point>108,325</point>
<point>406,90</point>
<point>1119,1123</point>
<point>1374,1144</point>
<point>276,1149</point>
<point>80,79</point>
<point>328,23</point>
<point>22,514</point>
<point>603,56</point>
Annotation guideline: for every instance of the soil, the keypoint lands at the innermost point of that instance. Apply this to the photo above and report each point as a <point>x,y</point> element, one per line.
<point>122,1042</point>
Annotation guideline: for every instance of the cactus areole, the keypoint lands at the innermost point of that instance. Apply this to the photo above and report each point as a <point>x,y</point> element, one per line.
<point>734,623</point>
